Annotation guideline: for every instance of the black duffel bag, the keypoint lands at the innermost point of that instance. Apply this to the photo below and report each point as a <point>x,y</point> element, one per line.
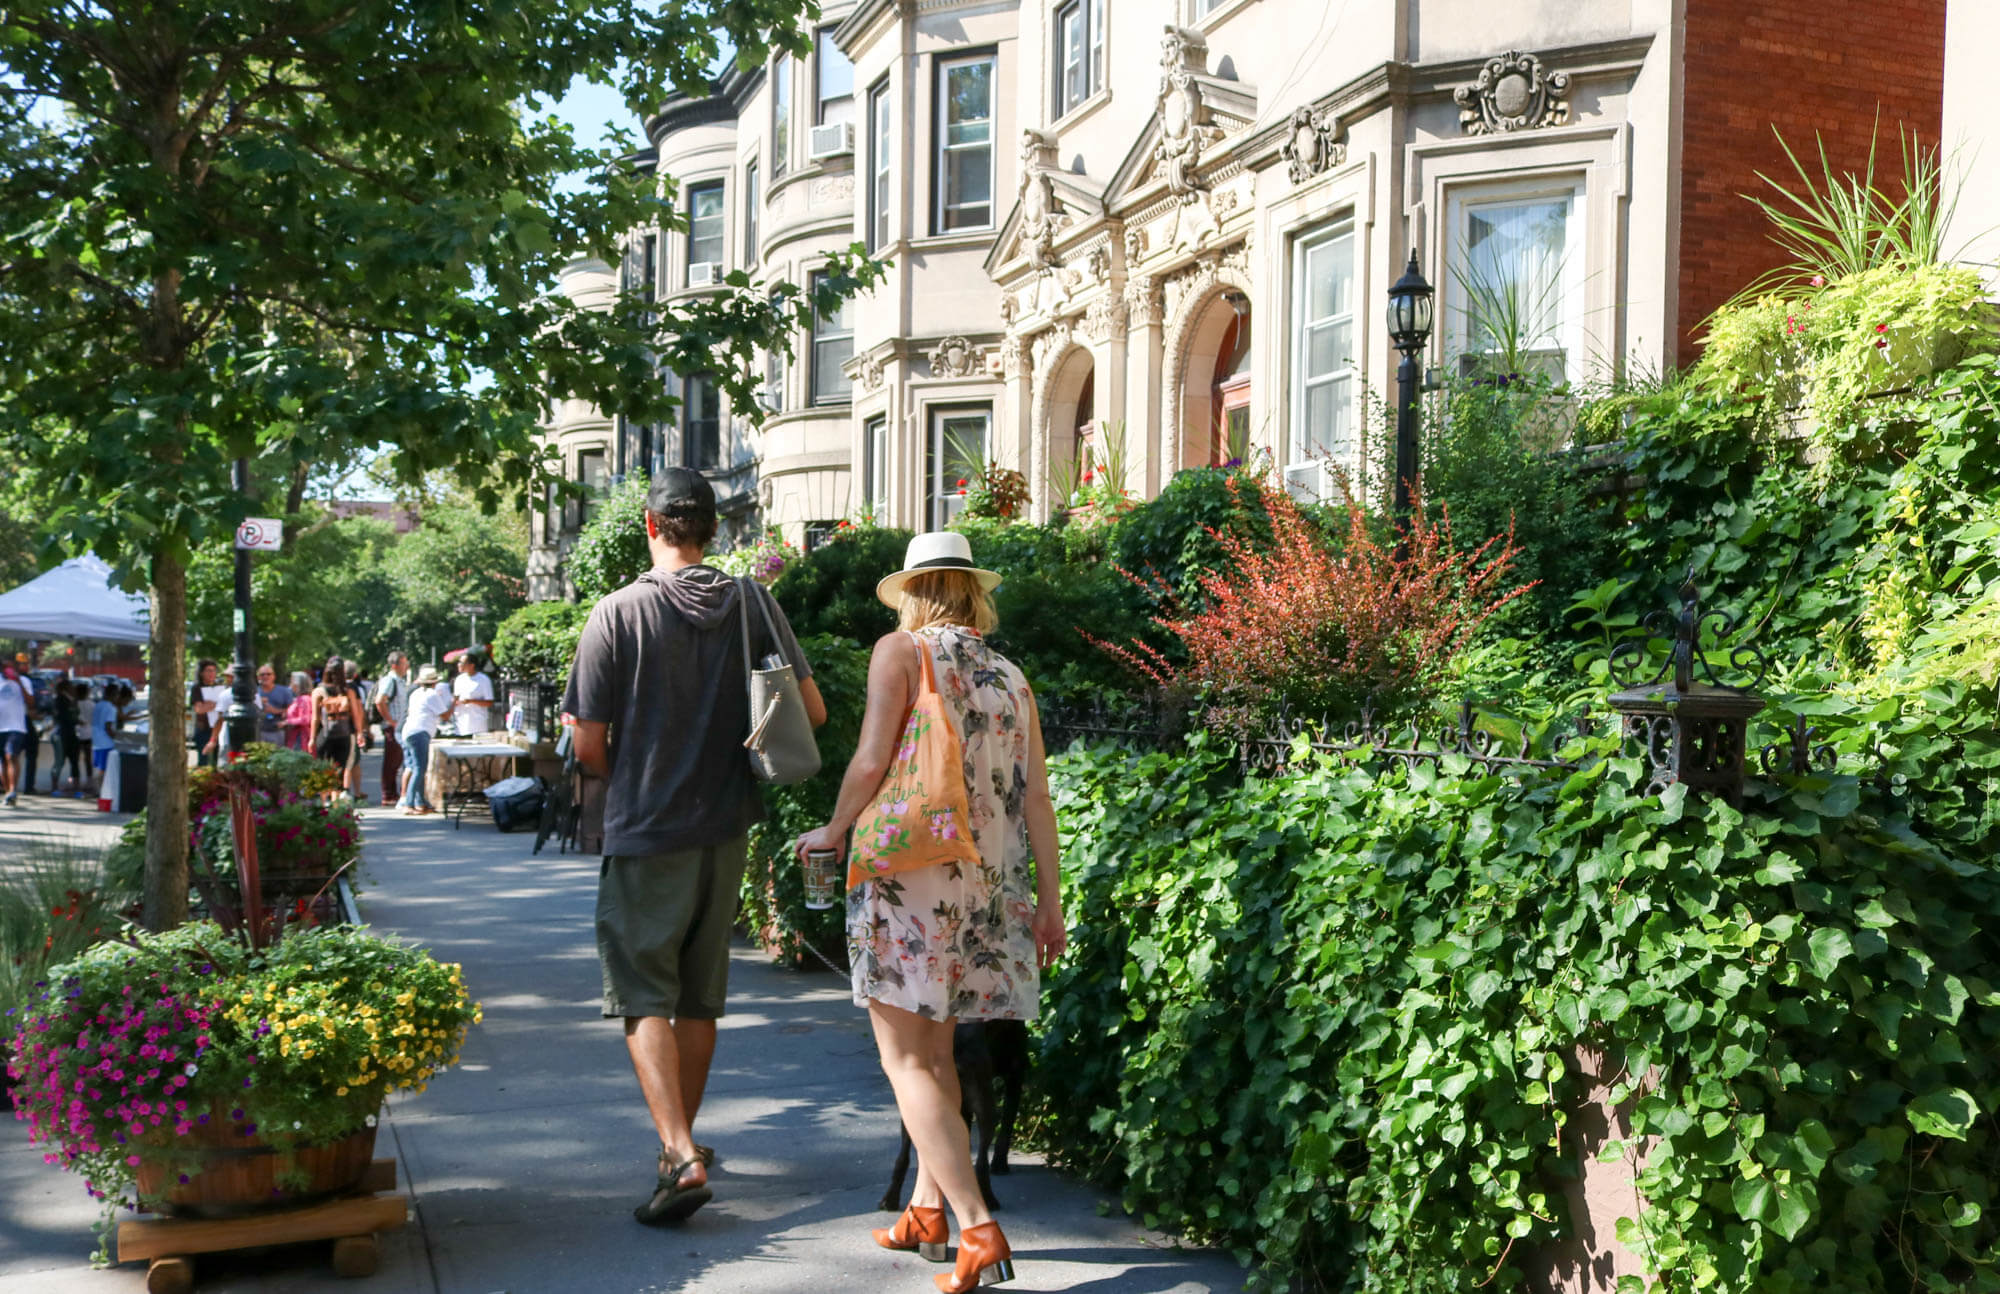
<point>516,803</point>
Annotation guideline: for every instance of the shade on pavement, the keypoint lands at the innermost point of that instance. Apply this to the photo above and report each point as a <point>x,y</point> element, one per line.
<point>75,600</point>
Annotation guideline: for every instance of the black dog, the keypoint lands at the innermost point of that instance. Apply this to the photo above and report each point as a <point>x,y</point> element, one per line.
<point>986,1053</point>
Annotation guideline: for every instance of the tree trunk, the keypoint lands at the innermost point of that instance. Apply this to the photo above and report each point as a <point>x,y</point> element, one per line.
<point>166,763</point>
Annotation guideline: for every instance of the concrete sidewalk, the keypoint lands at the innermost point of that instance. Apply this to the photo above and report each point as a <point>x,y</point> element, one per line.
<point>523,1164</point>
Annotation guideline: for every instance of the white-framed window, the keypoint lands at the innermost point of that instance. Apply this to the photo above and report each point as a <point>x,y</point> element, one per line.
<point>958,442</point>
<point>833,80</point>
<point>832,347</point>
<point>705,224</point>
<point>781,115</point>
<point>1079,52</point>
<point>964,164</point>
<point>875,464</point>
<point>1322,360</point>
<point>1199,9</point>
<point>1513,285</point>
<point>701,423</point>
<point>878,165</point>
<point>752,200</point>
<point>774,378</point>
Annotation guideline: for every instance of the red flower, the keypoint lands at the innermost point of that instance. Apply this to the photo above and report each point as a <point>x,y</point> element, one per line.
<point>1881,327</point>
<point>961,482</point>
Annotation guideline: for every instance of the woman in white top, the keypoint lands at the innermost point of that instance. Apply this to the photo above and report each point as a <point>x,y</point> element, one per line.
<point>472,692</point>
<point>429,704</point>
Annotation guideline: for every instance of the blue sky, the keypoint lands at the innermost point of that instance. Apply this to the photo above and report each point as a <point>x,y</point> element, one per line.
<point>592,109</point>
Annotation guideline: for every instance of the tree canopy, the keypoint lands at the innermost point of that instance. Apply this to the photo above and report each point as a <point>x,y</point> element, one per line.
<point>294,230</point>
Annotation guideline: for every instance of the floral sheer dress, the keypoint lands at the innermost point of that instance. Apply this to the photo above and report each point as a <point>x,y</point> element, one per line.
<point>951,941</point>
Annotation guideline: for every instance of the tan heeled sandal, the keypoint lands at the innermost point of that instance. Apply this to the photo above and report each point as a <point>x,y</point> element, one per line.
<point>920,1229</point>
<point>983,1259</point>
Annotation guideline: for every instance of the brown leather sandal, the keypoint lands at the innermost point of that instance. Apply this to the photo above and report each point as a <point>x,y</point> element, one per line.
<point>983,1259</point>
<point>920,1229</point>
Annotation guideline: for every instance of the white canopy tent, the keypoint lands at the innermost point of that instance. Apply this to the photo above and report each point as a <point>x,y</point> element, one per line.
<point>75,600</point>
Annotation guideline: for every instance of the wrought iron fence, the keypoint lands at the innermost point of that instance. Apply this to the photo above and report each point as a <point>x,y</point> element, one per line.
<point>1690,731</point>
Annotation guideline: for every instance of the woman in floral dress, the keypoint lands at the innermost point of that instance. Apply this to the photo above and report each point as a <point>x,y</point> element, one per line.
<point>953,941</point>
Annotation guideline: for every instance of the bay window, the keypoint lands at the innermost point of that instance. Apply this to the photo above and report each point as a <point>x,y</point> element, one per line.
<point>964,161</point>
<point>833,78</point>
<point>1322,360</point>
<point>832,347</point>
<point>1514,286</point>
<point>957,456</point>
<point>781,115</point>
<point>878,166</point>
<point>704,236</point>
<point>1079,52</point>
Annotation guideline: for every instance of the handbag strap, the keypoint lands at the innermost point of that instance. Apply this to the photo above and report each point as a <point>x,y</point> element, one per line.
<point>743,619</point>
<point>924,660</point>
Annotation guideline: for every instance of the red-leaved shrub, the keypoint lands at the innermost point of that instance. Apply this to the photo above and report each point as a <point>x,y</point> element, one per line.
<point>1326,624</point>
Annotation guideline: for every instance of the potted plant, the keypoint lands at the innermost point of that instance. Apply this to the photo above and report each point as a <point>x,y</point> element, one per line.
<point>192,1072</point>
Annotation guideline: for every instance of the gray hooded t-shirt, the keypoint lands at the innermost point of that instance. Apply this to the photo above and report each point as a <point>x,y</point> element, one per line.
<point>661,661</point>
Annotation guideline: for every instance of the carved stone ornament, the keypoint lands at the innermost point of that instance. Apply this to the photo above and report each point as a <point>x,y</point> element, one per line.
<point>1097,266</point>
<point>1193,282</point>
<point>1315,143</point>
<point>871,371</point>
<point>1106,317</point>
<point>1513,92</point>
<point>1137,242</point>
<point>832,188</point>
<point>1142,302</point>
<point>1184,126</point>
<point>1042,215</point>
<point>1050,344</point>
<point>955,357</point>
<point>1010,356</point>
<point>1010,308</point>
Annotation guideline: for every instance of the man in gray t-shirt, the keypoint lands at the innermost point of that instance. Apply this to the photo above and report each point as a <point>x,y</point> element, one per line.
<point>661,705</point>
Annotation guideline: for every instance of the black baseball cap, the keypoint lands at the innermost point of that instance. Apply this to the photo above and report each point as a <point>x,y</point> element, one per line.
<point>681,492</point>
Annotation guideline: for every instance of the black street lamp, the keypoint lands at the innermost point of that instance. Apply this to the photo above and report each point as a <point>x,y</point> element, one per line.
<point>1410,331</point>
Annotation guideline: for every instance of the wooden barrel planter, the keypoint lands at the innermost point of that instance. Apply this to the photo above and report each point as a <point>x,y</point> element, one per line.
<point>233,1175</point>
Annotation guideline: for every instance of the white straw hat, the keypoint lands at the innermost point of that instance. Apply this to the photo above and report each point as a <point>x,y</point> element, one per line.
<point>936,550</point>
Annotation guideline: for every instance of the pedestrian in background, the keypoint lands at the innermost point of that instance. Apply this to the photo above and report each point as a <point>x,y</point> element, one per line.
<point>204,700</point>
<point>68,737</point>
<point>298,715</point>
<point>103,727</point>
<point>336,719</point>
<point>15,707</point>
<point>392,700</point>
<point>472,693</point>
<point>424,709</point>
<point>31,754</point>
<point>273,700</point>
<point>364,732</point>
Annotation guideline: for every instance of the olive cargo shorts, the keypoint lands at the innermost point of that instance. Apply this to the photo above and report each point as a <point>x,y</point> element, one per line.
<point>663,924</point>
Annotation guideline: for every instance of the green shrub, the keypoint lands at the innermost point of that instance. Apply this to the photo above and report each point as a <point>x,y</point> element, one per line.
<point>773,890</point>
<point>539,640</point>
<point>610,552</point>
<point>831,590</point>
<point>1495,457</point>
<point>55,901</point>
<point>1327,1018</point>
<point>1169,537</point>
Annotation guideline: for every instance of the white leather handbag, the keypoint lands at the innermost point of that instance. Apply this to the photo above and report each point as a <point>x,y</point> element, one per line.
<point>782,748</point>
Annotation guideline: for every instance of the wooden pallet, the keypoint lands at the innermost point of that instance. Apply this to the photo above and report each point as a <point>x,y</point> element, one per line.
<point>168,1245</point>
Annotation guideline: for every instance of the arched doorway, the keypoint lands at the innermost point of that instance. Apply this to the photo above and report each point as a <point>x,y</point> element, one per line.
<point>1070,426</point>
<point>1215,380</point>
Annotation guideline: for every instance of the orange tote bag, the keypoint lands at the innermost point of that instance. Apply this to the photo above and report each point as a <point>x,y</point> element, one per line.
<point>918,817</point>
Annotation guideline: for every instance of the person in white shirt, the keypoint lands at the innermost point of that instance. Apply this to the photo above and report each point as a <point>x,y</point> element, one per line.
<point>14,709</point>
<point>473,693</point>
<point>427,707</point>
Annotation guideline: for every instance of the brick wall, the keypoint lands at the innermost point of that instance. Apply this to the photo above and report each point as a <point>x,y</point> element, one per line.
<point>1804,66</point>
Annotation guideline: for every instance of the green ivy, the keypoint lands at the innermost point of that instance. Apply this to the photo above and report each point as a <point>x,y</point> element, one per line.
<point>610,551</point>
<point>1328,1019</point>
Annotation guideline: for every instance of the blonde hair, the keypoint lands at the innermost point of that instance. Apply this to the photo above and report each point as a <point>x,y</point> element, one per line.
<point>947,597</point>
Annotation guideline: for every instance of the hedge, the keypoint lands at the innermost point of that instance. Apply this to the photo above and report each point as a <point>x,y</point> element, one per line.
<point>1324,1018</point>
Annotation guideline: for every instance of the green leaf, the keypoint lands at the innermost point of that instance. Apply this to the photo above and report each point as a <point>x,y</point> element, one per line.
<point>1829,946</point>
<point>1945,1112</point>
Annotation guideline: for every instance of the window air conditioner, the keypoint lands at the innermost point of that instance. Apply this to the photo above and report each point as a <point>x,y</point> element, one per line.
<point>704,274</point>
<point>835,139</point>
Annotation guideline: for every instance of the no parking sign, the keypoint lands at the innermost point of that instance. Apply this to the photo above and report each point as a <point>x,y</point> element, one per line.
<point>261,534</point>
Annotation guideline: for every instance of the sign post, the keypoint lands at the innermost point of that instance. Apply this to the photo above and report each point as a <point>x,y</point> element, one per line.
<point>255,534</point>
<point>474,610</point>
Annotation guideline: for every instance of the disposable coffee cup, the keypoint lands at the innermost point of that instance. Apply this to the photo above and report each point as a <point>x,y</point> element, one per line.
<point>821,883</point>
